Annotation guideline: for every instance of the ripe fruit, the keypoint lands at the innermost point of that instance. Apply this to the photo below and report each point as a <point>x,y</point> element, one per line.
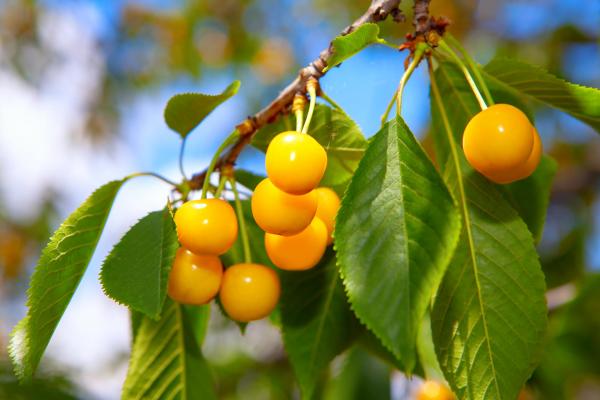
<point>432,390</point>
<point>524,170</point>
<point>498,139</point>
<point>194,279</point>
<point>295,162</point>
<point>282,213</point>
<point>327,208</point>
<point>249,291</point>
<point>207,226</point>
<point>298,252</point>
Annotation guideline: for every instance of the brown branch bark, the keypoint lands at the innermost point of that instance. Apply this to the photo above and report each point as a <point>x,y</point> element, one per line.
<point>377,11</point>
<point>421,16</point>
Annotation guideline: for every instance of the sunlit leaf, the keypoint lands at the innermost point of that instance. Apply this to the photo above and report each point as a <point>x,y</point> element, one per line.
<point>396,231</point>
<point>136,271</point>
<point>57,275</point>
<point>348,45</point>
<point>489,314</point>
<point>166,361</point>
<point>185,111</point>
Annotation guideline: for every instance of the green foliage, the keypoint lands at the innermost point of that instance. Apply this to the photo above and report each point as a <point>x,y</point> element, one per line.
<point>46,387</point>
<point>573,348</point>
<point>316,319</point>
<point>395,234</point>
<point>136,271</point>
<point>426,352</point>
<point>57,275</point>
<point>530,196</point>
<point>248,179</point>
<point>348,45</point>
<point>166,359</point>
<point>566,261</point>
<point>185,111</point>
<point>368,341</point>
<point>579,101</point>
<point>336,132</point>
<point>489,315</point>
<point>359,377</point>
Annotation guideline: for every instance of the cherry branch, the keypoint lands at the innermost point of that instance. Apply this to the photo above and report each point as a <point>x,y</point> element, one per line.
<point>421,16</point>
<point>377,11</point>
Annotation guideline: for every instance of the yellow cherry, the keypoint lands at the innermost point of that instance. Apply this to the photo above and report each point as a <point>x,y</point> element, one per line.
<point>295,162</point>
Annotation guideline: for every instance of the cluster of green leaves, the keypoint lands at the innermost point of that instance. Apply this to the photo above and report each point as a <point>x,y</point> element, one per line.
<point>428,258</point>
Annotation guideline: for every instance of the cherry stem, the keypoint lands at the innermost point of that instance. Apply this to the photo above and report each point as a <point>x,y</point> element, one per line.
<point>331,102</point>
<point>155,175</point>
<point>241,221</point>
<point>181,151</point>
<point>385,115</point>
<point>220,187</point>
<point>229,140</point>
<point>299,117</point>
<point>417,56</point>
<point>312,91</point>
<point>473,66</point>
<point>442,45</point>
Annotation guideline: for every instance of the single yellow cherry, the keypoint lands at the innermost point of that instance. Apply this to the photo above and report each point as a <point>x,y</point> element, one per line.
<point>281,213</point>
<point>327,208</point>
<point>299,252</point>
<point>432,390</point>
<point>524,170</point>
<point>249,291</point>
<point>295,162</point>
<point>207,226</point>
<point>498,139</point>
<point>194,279</point>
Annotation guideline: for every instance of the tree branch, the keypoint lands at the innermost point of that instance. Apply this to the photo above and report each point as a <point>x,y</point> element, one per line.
<point>377,11</point>
<point>421,16</point>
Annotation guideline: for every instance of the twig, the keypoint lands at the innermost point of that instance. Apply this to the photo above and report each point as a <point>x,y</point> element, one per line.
<point>377,11</point>
<point>421,16</point>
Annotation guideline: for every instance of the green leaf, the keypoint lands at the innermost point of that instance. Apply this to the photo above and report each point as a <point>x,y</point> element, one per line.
<point>566,262</point>
<point>367,340</point>
<point>572,349</point>
<point>426,351</point>
<point>337,133</point>
<point>396,231</point>
<point>185,111</point>
<point>247,178</point>
<point>530,197</point>
<point>489,315</point>
<point>57,275</point>
<point>317,322</point>
<point>166,361</point>
<point>345,46</point>
<point>580,101</point>
<point>360,377</point>
<point>136,271</point>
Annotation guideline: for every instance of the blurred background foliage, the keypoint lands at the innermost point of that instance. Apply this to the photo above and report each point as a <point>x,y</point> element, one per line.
<point>143,47</point>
